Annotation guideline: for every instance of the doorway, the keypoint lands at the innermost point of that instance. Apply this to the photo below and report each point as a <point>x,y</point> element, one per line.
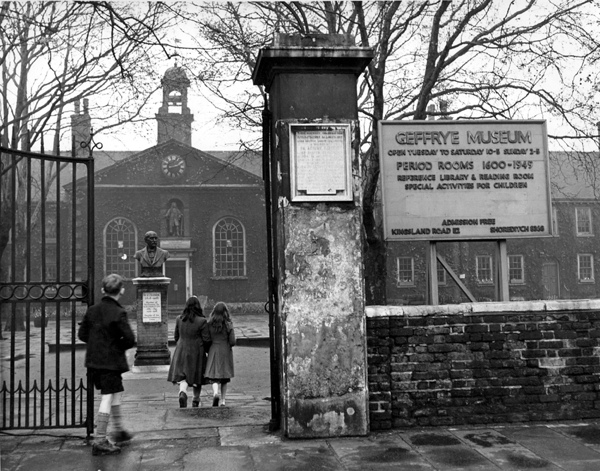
<point>177,271</point>
<point>550,280</point>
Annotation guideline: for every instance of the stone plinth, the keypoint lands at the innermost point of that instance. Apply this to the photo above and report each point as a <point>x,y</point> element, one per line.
<point>152,321</point>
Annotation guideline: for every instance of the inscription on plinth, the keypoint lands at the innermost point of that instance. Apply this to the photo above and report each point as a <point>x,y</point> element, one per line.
<point>151,311</point>
<point>152,321</point>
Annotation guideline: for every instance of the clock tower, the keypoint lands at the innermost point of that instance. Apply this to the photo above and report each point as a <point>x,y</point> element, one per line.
<point>174,118</point>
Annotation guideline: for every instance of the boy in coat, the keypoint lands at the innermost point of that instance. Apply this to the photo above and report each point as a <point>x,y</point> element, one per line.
<point>108,335</point>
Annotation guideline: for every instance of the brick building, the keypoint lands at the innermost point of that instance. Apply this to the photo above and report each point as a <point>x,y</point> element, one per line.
<point>208,212</point>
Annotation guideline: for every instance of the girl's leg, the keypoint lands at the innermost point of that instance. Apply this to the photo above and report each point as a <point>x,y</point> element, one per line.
<point>223,393</point>
<point>197,391</point>
<point>215,387</point>
<point>183,386</point>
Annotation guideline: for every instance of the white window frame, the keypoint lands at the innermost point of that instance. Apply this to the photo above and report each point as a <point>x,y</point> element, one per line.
<point>441,271</point>
<point>590,231</point>
<point>591,268</point>
<point>484,281</point>
<point>130,262</point>
<point>217,270</point>
<point>399,281</point>
<point>516,281</point>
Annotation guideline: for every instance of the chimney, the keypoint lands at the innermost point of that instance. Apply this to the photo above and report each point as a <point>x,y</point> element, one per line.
<point>430,111</point>
<point>81,124</point>
<point>444,109</point>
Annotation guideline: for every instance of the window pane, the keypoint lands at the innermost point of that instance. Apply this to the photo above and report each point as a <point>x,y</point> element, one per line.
<point>441,274</point>
<point>515,269</point>
<point>229,256</point>
<point>586,267</point>
<point>405,271</point>
<point>484,269</point>
<point>584,221</point>
<point>120,247</point>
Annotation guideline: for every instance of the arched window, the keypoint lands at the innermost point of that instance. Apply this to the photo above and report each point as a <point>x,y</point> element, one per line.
<point>229,244</point>
<point>120,236</point>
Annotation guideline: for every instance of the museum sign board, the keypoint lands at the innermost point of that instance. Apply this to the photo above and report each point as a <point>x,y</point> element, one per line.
<point>464,180</point>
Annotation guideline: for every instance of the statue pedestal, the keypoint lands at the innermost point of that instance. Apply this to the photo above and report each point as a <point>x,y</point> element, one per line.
<point>152,321</point>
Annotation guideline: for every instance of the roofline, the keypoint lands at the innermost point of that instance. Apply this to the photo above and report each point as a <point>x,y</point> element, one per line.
<point>135,155</point>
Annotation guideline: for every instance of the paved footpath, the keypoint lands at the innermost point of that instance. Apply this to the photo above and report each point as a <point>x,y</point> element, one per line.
<point>236,437</point>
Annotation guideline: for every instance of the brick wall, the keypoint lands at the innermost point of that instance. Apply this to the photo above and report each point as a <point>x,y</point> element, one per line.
<point>483,363</point>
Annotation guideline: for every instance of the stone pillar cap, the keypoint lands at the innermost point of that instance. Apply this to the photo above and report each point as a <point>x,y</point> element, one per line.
<point>310,54</point>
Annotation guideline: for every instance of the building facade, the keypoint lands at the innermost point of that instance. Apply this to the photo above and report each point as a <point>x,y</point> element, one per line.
<point>208,213</point>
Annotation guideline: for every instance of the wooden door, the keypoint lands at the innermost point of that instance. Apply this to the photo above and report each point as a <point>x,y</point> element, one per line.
<point>176,270</point>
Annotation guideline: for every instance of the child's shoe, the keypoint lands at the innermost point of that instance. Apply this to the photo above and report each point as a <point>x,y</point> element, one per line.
<point>105,448</point>
<point>182,399</point>
<point>122,438</point>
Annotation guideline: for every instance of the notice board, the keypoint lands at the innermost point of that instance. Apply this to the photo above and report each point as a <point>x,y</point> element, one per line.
<point>320,162</point>
<point>465,180</point>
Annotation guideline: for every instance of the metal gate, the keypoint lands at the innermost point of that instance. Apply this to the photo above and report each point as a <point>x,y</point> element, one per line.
<point>46,284</point>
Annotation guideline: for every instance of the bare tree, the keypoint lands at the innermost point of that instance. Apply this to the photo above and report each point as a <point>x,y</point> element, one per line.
<point>52,55</point>
<point>472,59</point>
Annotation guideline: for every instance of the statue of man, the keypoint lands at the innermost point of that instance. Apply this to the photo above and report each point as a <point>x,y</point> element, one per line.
<point>174,220</point>
<point>152,256</point>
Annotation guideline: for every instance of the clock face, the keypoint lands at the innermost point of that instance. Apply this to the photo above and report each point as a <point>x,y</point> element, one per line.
<point>173,166</point>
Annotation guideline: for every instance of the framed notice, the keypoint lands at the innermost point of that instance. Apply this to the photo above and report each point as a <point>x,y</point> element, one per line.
<point>465,180</point>
<point>151,311</point>
<point>320,162</point>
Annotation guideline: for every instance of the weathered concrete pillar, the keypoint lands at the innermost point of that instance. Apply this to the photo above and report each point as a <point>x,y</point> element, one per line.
<point>152,321</point>
<point>316,195</point>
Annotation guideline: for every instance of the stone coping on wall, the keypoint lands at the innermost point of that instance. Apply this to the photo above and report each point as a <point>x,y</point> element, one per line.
<point>483,308</point>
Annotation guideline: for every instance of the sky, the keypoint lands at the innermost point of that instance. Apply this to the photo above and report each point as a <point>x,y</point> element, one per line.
<point>207,133</point>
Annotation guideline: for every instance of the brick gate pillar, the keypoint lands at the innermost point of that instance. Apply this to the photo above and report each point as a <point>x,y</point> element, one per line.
<point>317,218</point>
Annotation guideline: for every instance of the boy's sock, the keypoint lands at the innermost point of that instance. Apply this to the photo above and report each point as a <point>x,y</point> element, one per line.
<point>101,445</point>
<point>101,426</point>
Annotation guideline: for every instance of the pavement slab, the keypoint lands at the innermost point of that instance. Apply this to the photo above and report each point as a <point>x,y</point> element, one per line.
<point>445,451</point>
<point>296,456</point>
<point>359,454</point>
<point>159,459</point>
<point>252,436</point>
<point>588,434</point>
<point>222,459</point>
<point>502,451</point>
<point>553,446</point>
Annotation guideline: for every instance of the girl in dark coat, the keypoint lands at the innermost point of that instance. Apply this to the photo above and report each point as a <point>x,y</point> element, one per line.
<point>219,368</point>
<point>192,337</point>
